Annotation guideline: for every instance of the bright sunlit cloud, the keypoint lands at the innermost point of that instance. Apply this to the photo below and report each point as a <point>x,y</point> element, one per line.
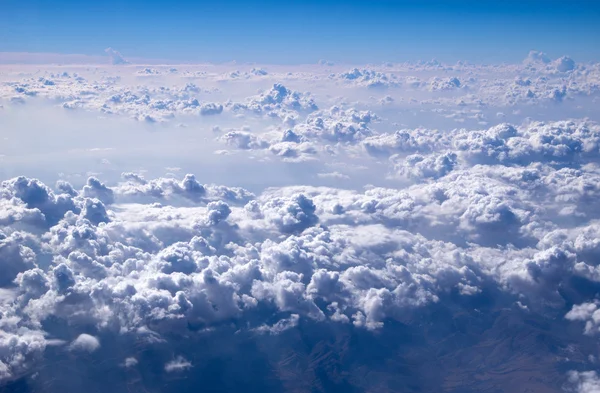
<point>298,225</point>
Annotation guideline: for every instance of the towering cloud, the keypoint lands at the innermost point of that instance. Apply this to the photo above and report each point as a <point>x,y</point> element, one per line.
<point>115,57</point>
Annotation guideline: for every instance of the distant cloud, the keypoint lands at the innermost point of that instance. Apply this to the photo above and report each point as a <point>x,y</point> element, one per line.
<point>130,362</point>
<point>537,57</point>
<point>115,57</point>
<point>177,365</point>
<point>85,342</point>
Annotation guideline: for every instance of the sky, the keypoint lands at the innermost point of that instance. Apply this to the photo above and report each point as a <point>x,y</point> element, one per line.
<point>274,224</point>
<point>304,31</point>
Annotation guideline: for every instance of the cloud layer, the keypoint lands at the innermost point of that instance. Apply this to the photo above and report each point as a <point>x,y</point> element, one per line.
<point>390,251</point>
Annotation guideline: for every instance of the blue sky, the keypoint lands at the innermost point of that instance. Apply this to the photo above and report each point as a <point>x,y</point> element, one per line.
<point>304,31</point>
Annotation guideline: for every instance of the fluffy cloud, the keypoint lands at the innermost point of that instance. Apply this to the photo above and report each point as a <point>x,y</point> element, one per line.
<point>19,349</point>
<point>369,78</point>
<point>584,382</point>
<point>421,167</point>
<point>85,342</point>
<point>115,57</point>
<point>458,228</point>
<point>278,102</point>
<point>336,125</point>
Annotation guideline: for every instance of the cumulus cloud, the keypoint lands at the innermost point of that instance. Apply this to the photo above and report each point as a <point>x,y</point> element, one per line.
<point>455,229</point>
<point>96,189</point>
<point>421,167</point>
<point>85,342</point>
<point>537,57</point>
<point>584,382</point>
<point>211,109</point>
<point>565,64</point>
<point>130,362</point>
<point>369,78</point>
<point>115,57</point>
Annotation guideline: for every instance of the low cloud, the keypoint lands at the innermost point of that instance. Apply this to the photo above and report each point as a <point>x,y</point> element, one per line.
<point>85,342</point>
<point>332,238</point>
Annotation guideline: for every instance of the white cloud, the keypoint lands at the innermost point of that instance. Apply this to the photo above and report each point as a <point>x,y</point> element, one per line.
<point>451,221</point>
<point>178,364</point>
<point>130,362</point>
<point>115,57</point>
<point>280,326</point>
<point>85,342</point>
<point>584,382</point>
